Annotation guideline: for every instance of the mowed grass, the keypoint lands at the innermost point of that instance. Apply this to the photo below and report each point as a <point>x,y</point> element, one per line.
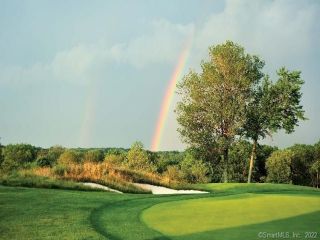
<point>28,213</point>
<point>234,188</point>
<point>209,214</point>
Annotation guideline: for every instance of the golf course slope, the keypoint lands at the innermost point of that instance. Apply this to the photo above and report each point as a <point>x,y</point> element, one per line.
<point>229,211</point>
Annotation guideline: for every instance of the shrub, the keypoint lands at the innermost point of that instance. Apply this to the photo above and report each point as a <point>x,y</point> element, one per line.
<point>54,153</point>
<point>137,158</point>
<point>69,157</point>
<point>60,170</point>
<point>93,156</point>
<point>44,162</point>
<point>278,166</point>
<point>114,160</point>
<point>17,155</point>
<point>194,171</point>
<point>173,174</point>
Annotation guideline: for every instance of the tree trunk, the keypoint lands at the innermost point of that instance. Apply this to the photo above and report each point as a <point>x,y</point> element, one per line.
<point>252,158</point>
<point>225,159</point>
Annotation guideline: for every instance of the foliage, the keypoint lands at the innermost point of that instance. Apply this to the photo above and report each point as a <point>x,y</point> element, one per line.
<point>137,158</point>
<point>273,106</point>
<point>173,174</point>
<point>43,162</point>
<point>114,159</point>
<point>167,159</point>
<point>315,166</point>
<point>193,170</point>
<point>93,156</point>
<point>278,166</point>
<point>210,113</point>
<point>239,156</point>
<point>302,159</point>
<point>17,156</point>
<point>60,170</point>
<point>69,157</point>
<point>54,153</point>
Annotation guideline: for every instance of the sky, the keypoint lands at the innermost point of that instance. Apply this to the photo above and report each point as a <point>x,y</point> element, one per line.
<point>94,73</point>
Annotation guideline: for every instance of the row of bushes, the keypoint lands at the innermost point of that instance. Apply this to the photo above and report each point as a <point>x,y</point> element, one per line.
<point>172,166</point>
<point>299,165</point>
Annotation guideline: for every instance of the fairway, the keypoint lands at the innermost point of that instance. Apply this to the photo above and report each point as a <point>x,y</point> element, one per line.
<point>28,213</point>
<point>208,214</point>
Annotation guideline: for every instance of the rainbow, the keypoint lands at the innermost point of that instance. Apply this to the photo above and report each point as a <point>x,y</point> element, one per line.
<point>169,94</point>
<point>89,117</point>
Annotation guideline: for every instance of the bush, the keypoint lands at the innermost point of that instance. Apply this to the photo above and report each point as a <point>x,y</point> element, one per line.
<point>93,156</point>
<point>194,171</point>
<point>278,166</point>
<point>173,173</point>
<point>17,156</point>
<point>137,158</point>
<point>69,157</point>
<point>302,159</point>
<point>60,170</point>
<point>54,153</point>
<point>114,160</point>
<point>44,162</point>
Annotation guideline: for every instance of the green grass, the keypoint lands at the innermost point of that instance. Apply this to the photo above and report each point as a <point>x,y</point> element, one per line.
<point>30,213</point>
<point>209,214</point>
<point>251,187</point>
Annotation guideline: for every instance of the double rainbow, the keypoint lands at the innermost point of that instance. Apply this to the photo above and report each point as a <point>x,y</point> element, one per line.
<point>169,94</point>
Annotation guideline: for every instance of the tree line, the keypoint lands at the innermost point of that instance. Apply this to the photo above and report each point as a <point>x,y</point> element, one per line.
<point>299,164</point>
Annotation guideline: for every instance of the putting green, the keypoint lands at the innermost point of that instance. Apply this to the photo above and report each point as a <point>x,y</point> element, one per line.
<point>209,214</point>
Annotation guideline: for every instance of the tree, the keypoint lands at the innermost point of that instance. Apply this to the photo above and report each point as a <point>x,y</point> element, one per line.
<point>68,157</point>
<point>302,159</point>
<point>17,156</point>
<point>137,157</point>
<point>278,166</point>
<point>114,159</point>
<point>1,154</point>
<point>212,104</point>
<point>273,106</point>
<point>93,156</point>
<point>315,166</point>
<point>194,171</point>
<point>54,153</point>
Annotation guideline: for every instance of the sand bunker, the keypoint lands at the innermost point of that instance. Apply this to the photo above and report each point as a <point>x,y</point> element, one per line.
<point>163,190</point>
<point>96,185</point>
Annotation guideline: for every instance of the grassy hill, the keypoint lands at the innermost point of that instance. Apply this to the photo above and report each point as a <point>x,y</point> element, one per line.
<point>230,211</point>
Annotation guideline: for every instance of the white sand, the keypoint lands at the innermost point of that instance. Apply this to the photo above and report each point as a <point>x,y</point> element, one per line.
<point>95,185</point>
<point>163,190</point>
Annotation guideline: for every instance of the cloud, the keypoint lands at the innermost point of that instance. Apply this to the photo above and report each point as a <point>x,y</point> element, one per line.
<point>283,33</point>
<point>78,65</point>
<point>161,45</point>
<point>280,31</point>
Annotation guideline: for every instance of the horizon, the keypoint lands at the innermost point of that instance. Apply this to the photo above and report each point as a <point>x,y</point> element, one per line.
<point>96,74</point>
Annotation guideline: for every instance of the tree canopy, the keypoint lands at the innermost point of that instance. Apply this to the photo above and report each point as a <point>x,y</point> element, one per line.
<point>210,113</point>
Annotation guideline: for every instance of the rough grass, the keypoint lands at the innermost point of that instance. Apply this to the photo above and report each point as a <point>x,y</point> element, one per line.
<point>33,181</point>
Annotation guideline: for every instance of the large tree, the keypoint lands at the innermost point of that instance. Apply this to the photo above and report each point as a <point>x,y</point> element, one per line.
<point>273,106</point>
<point>213,102</point>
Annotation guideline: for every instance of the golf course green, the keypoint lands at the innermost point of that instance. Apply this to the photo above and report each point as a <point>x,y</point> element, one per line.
<point>229,211</point>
